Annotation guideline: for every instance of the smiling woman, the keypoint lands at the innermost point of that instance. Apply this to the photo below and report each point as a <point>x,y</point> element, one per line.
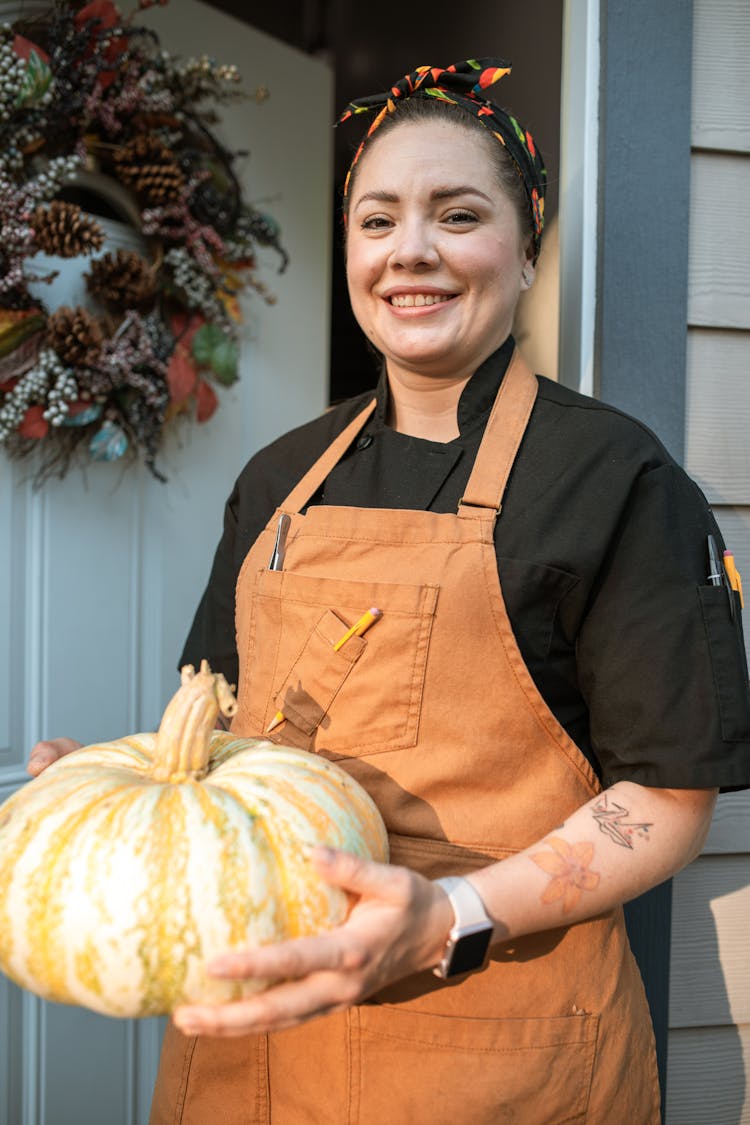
<point>514,713</point>
<point>435,267</point>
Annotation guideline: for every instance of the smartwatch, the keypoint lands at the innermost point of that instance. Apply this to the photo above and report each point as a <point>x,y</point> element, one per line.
<point>471,934</point>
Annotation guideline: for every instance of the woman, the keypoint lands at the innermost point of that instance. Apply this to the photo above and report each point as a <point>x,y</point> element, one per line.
<point>515,711</point>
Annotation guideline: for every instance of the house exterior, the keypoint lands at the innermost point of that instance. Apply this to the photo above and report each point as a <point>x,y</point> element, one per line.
<point>654,317</point>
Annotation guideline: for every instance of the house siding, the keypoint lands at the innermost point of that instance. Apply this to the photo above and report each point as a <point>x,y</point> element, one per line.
<point>709,1014</point>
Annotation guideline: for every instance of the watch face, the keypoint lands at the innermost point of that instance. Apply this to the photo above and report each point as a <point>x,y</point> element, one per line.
<point>469,952</point>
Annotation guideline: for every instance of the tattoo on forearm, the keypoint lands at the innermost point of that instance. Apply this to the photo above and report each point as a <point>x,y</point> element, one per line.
<point>568,864</point>
<point>613,822</point>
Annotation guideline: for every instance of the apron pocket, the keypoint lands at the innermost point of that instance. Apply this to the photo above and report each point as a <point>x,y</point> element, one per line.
<point>440,1070</point>
<point>318,674</point>
<point>364,699</point>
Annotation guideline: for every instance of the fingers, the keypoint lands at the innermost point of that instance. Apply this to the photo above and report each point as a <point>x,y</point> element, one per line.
<point>360,876</point>
<point>285,1006</point>
<point>290,960</point>
<point>46,752</point>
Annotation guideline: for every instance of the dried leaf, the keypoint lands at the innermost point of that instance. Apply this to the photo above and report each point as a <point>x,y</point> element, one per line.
<point>207,401</point>
<point>36,81</point>
<point>33,424</point>
<point>225,361</point>
<point>204,342</point>
<point>23,47</point>
<point>182,375</point>
<point>14,332</point>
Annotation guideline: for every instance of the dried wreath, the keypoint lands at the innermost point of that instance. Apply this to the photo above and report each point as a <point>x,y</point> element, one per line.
<point>82,87</point>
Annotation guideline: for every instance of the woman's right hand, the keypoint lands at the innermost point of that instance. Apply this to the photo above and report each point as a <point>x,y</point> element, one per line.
<point>47,752</point>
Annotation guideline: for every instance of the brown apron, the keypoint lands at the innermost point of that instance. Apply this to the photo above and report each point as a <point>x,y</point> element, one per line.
<point>435,713</point>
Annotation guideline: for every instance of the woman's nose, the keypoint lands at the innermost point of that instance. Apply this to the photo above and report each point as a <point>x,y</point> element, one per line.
<point>414,246</point>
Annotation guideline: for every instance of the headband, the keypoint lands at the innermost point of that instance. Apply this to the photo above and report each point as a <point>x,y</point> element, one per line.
<point>464,84</point>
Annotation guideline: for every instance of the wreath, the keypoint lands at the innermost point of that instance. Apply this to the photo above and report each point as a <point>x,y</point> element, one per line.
<point>85,92</point>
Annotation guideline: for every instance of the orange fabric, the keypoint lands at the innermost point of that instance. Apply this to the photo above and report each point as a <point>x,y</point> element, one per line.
<point>435,713</point>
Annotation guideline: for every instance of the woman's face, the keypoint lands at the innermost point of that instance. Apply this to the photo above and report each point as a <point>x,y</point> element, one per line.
<point>435,255</point>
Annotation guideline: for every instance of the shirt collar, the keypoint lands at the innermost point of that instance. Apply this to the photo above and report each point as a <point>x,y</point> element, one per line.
<point>477,396</point>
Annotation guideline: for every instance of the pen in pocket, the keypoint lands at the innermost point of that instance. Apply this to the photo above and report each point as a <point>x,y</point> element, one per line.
<point>279,549</point>
<point>715,569</point>
<point>359,627</point>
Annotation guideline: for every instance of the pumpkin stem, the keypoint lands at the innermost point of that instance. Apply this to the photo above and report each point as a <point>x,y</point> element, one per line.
<point>183,744</point>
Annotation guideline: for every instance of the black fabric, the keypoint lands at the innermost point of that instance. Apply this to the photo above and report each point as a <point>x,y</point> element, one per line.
<point>601,550</point>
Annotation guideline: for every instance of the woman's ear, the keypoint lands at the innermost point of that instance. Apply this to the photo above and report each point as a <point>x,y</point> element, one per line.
<point>528,271</point>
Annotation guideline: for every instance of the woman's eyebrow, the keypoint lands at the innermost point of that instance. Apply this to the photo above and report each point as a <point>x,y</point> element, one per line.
<point>437,194</point>
<point>460,189</point>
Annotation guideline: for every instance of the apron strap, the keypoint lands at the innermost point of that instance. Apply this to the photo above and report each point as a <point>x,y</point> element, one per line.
<point>502,438</point>
<point>306,488</point>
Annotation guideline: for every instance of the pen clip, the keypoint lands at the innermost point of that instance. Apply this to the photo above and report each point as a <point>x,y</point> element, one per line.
<point>279,550</point>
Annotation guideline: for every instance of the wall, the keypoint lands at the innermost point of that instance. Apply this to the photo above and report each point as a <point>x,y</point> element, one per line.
<point>709,1042</point>
<point>101,572</point>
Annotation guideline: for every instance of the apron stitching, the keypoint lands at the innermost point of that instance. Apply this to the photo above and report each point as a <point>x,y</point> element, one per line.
<point>187,1063</point>
<point>526,685</point>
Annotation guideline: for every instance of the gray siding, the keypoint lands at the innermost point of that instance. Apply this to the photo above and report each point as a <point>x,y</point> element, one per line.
<point>709,1039</point>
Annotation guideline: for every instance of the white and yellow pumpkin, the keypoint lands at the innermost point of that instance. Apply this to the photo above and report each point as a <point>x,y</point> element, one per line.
<point>126,866</point>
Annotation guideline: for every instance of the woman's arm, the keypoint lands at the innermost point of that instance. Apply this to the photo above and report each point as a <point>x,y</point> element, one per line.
<point>612,849</point>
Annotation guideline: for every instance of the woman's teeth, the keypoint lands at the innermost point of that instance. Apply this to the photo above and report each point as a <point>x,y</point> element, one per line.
<point>416,300</point>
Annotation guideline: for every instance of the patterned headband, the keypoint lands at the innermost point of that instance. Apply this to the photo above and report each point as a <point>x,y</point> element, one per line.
<point>464,84</point>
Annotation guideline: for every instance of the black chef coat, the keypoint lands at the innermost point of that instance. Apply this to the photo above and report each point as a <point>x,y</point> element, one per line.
<point>602,555</point>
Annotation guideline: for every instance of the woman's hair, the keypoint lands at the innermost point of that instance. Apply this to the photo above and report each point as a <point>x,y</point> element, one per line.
<point>417,109</point>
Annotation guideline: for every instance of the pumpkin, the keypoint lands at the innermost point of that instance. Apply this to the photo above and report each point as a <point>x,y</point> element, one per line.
<point>126,866</point>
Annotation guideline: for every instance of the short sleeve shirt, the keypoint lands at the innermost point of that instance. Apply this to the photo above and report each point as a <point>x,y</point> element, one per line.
<point>602,556</point>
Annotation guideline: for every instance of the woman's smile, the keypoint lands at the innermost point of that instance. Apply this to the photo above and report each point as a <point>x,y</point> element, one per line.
<point>417,300</point>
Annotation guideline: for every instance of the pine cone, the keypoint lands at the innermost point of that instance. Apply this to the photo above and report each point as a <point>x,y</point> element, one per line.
<point>75,335</point>
<point>121,280</point>
<point>64,230</point>
<point>147,166</point>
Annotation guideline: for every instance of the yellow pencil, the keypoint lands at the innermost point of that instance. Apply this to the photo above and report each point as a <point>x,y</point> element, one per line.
<point>359,627</point>
<point>733,575</point>
<point>279,717</point>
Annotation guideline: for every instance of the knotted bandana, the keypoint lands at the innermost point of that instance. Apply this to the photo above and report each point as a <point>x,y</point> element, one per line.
<point>464,84</point>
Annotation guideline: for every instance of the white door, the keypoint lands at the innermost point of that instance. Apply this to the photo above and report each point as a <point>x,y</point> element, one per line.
<point>100,573</point>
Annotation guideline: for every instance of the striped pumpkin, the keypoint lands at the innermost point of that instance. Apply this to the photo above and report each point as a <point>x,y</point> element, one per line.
<point>127,865</point>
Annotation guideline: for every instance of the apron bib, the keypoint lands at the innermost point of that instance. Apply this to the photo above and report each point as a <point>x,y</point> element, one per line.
<point>434,712</point>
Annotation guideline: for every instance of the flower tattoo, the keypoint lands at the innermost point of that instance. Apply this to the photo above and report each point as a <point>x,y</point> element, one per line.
<point>568,864</point>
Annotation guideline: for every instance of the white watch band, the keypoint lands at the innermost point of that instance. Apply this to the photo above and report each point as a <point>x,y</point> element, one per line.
<point>471,933</point>
<point>468,907</point>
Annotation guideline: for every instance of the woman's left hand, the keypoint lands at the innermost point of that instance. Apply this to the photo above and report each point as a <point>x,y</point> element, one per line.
<point>397,926</point>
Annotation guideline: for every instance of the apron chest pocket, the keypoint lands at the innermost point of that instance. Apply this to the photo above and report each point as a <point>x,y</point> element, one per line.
<point>364,698</point>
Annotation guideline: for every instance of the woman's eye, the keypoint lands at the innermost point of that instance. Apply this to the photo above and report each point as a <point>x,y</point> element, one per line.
<point>460,217</point>
<point>376,222</point>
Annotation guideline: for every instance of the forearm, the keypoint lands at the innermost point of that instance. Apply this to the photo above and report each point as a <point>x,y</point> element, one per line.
<point>618,845</point>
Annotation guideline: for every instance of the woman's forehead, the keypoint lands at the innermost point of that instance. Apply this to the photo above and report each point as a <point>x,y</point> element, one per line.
<point>425,151</point>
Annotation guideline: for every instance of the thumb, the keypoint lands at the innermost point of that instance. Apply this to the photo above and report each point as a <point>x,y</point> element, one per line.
<point>357,875</point>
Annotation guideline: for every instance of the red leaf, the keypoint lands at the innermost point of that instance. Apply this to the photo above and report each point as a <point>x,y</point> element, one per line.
<point>185,327</point>
<point>102,10</point>
<point>207,401</point>
<point>7,386</point>
<point>23,48</point>
<point>77,407</point>
<point>34,425</point>
<point>181,375</point>
<point>107,15</point>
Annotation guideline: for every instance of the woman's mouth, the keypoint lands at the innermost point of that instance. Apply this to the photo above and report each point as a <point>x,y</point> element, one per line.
<point>417,300</point>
